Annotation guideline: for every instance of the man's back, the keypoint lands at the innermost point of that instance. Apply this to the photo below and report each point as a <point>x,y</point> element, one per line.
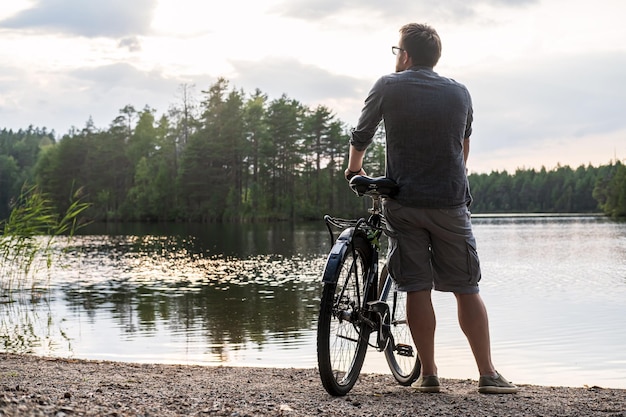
<point>426,118</point>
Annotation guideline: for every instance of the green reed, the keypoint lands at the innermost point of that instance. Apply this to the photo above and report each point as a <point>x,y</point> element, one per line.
<point>26,237</point>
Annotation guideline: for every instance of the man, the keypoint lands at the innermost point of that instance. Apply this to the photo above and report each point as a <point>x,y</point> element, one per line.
<point>428,123</point>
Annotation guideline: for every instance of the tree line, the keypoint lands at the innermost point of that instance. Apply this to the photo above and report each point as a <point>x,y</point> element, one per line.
<point>234,156</point>
<point>586,189</point>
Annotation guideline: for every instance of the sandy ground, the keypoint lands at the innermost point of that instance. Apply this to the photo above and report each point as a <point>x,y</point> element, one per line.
<point>34,386</point>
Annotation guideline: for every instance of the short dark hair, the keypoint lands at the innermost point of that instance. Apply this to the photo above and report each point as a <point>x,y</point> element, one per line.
<point>422,43</point>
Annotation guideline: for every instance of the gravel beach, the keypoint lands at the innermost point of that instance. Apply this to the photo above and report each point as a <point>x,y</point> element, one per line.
<point>36,386</point>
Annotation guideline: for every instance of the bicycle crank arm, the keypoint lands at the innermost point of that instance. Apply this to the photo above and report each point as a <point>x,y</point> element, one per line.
<point>381,309</point>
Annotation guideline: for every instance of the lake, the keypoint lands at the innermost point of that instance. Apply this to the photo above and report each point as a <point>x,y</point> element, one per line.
<point>248,295</point>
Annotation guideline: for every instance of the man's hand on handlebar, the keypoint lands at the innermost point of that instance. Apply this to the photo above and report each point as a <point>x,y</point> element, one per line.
<point>349,174</point>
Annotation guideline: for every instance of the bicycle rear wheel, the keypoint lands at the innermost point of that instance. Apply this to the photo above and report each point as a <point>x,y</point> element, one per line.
<point>342,338</point>
<point>401,355</point>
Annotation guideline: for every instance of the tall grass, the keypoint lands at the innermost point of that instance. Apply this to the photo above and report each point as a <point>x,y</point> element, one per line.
<point>26,237</point>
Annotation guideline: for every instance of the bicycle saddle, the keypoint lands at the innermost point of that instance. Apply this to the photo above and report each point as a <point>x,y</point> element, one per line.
<point>379,186</point>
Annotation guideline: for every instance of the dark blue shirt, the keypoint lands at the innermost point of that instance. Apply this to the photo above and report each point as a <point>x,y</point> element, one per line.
<point>426,119</point>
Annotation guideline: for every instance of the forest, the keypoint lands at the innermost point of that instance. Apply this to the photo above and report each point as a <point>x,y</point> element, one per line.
<point>232,156</point>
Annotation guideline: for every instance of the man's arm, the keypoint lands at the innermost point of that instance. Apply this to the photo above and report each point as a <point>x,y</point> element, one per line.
<point>355,163</point>
<point>466,147</point>
<point>362,135</point>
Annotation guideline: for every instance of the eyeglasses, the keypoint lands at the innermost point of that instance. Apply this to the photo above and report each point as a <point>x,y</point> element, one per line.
<point>396,50</point>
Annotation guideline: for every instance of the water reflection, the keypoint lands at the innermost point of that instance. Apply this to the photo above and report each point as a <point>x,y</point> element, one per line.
<point>228,240</point>
<point>249,295</point>
<point>212,284</point>
<point>25,321</point>
<point>232,297</point>
<point>230,300</point>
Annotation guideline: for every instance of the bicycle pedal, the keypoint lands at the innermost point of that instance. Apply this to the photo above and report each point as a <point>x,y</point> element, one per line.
<point>404,350</point>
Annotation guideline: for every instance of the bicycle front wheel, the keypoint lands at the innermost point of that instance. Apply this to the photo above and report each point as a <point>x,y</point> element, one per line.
<point>401,355</point>
<point>342,338</point>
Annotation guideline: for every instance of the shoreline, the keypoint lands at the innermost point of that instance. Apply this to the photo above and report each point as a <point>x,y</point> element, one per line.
<point>44,386</point>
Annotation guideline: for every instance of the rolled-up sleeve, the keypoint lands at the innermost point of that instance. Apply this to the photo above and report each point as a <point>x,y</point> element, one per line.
<point>370,118</point>
<point>470,118</point>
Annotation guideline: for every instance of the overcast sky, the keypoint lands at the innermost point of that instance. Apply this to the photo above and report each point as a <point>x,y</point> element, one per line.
<point>548,78</point>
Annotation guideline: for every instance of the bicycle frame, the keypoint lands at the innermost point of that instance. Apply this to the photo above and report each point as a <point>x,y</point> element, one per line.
<point>372,227</point>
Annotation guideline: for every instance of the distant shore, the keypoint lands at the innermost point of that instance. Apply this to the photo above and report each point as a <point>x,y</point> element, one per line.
<point>35,386</point>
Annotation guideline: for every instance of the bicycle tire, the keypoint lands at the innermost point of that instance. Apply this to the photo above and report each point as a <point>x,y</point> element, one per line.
<point>401,356</point>
<point>342,340</point>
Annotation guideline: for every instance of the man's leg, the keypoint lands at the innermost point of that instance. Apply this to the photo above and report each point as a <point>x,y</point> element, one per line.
<point>474,322</point>
<point>422,322</point>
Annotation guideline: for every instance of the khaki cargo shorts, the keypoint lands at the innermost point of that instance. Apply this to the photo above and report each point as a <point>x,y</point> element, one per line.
<point>431,248</point>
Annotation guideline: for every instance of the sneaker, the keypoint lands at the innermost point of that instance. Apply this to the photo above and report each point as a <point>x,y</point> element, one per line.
<point>495,385</point>
<point>428,383</point>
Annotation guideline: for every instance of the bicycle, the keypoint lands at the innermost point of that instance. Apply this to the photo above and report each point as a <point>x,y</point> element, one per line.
<point>356,302</point>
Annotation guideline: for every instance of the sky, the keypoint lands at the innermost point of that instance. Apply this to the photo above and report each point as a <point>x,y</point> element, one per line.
<point>547,77</point>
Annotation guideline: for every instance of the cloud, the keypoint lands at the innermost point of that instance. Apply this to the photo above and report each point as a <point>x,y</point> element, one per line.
<point>60,100</point>
<point>104,90</point>
<point>110,18</point>
<point>133,44</point>
<point>305,83</point>
<point>454,10</point>
<point>120,76</point>
<point>571,96</point>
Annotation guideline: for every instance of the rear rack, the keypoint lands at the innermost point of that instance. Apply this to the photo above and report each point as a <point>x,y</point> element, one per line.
<point>340,223</point>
